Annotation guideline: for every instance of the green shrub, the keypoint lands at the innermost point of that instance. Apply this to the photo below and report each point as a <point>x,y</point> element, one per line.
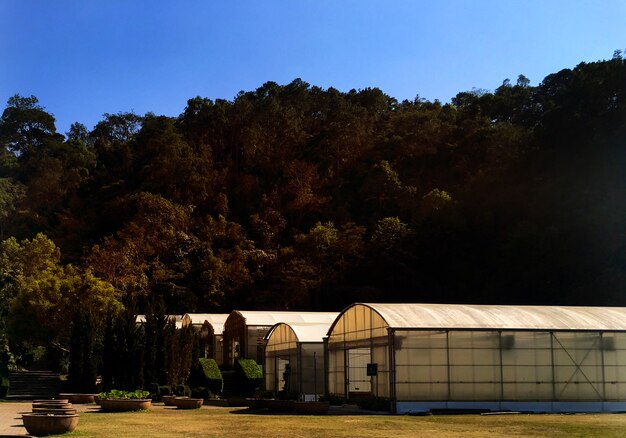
<point>374,403</point>
<point>207,374</point>
<point>155,391</point>
<point>249,368</point>
<point>4,387</point>
<point>165,390</point>
<point>202,392</point>
<point>250,372</point>
<point>182,390</point>
<point>116,394</point>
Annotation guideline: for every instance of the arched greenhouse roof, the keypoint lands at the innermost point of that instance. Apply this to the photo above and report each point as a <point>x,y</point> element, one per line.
<point>216,320</point>
<point>472,316</point>
<point>178,319</point>
<point>304,332</point>
<point>269,318</point>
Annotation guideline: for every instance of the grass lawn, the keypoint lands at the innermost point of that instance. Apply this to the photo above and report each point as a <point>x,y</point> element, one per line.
<point>240,422</point>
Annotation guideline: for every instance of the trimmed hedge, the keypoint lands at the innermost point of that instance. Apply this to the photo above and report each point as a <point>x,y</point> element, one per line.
<point>250,373</point>
<point>250,369</point>
<point>206,374</point>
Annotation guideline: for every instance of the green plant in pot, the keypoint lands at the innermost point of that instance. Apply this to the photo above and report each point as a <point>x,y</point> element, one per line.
<point>119,401</point>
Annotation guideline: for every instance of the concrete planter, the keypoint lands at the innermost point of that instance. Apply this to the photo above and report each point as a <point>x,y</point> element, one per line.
<point>43,424</point>
<point>123,405</point>
<point>280,405</point>
<point>168,400</point>
<point>258,403</point>
<point>80,399</point>
<point>188,403</point>
<point>52,405</point>
<point>52,400</point>
<point>55,411</point>
<point>311,407</point>
<point>237,401</point>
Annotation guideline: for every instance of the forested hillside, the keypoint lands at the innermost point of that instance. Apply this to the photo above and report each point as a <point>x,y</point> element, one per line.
<point>298,197</point>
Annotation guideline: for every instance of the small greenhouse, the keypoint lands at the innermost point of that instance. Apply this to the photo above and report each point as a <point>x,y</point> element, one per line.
<point>211,329</point>
<point>177,319</point>
<point>244,331</point>
<point>294,359</point>
<point>438,356</point>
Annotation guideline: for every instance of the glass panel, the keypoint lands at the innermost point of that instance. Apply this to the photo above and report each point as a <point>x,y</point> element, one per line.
<point>312,368</point>
<point>526,366</point>
<point>336,378</point>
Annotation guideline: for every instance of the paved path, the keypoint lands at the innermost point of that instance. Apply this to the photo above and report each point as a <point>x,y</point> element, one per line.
<point>11,418</point>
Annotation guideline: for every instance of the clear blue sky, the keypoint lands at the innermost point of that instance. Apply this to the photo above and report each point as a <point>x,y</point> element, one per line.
<point>83,58</point>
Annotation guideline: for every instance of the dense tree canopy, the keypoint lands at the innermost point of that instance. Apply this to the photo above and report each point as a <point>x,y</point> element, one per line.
<point>300,197</point>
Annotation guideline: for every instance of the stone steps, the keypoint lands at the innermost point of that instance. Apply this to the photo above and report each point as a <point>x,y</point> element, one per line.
<point>30,385</point>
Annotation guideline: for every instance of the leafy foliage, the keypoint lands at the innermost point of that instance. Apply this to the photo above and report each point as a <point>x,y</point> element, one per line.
<point>249,369</point>
<point>207,374</point>
<point>250,373</point>
<point>116,394</point>
<point>297,197</point>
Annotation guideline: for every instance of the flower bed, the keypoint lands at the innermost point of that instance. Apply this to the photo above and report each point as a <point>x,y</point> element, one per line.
<point>123,405</point>
<point>121,401</point>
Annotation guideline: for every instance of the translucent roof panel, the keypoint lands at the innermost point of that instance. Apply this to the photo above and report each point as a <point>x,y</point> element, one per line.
<point>262,318</point>
<point>213,318</point>
<point>303,332</point>
<point>467,316</point>
<point>216,320</point>
<point>141,319</point>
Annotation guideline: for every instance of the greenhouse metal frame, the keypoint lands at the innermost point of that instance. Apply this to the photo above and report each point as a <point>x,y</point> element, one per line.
<point>294,359</point>
<point>210,326</point>
<point>244,331</point>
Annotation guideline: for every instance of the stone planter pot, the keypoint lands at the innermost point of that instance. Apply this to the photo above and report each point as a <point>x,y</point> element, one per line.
<point>80,399</point>
<point>237,401</point>
<point>280,405</point>
<point>311,407</point>
<point>52,400</point>
<point>43,425</point>
<point>188,403</point>
<point>123,405</point>
<point>52,405</point>
<point>258,403</point>
<point>168,400</point>
<point>59,411</point>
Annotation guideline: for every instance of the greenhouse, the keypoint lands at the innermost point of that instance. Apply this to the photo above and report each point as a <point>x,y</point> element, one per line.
<point>524,358</point>
<point>294,359</point>
<point>211,329</point>
<point>176,319</point>
<point>244,331</point>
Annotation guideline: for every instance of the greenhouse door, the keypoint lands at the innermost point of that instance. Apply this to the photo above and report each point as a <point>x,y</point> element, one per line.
<point>359,383</point>
<point>283,374</point>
